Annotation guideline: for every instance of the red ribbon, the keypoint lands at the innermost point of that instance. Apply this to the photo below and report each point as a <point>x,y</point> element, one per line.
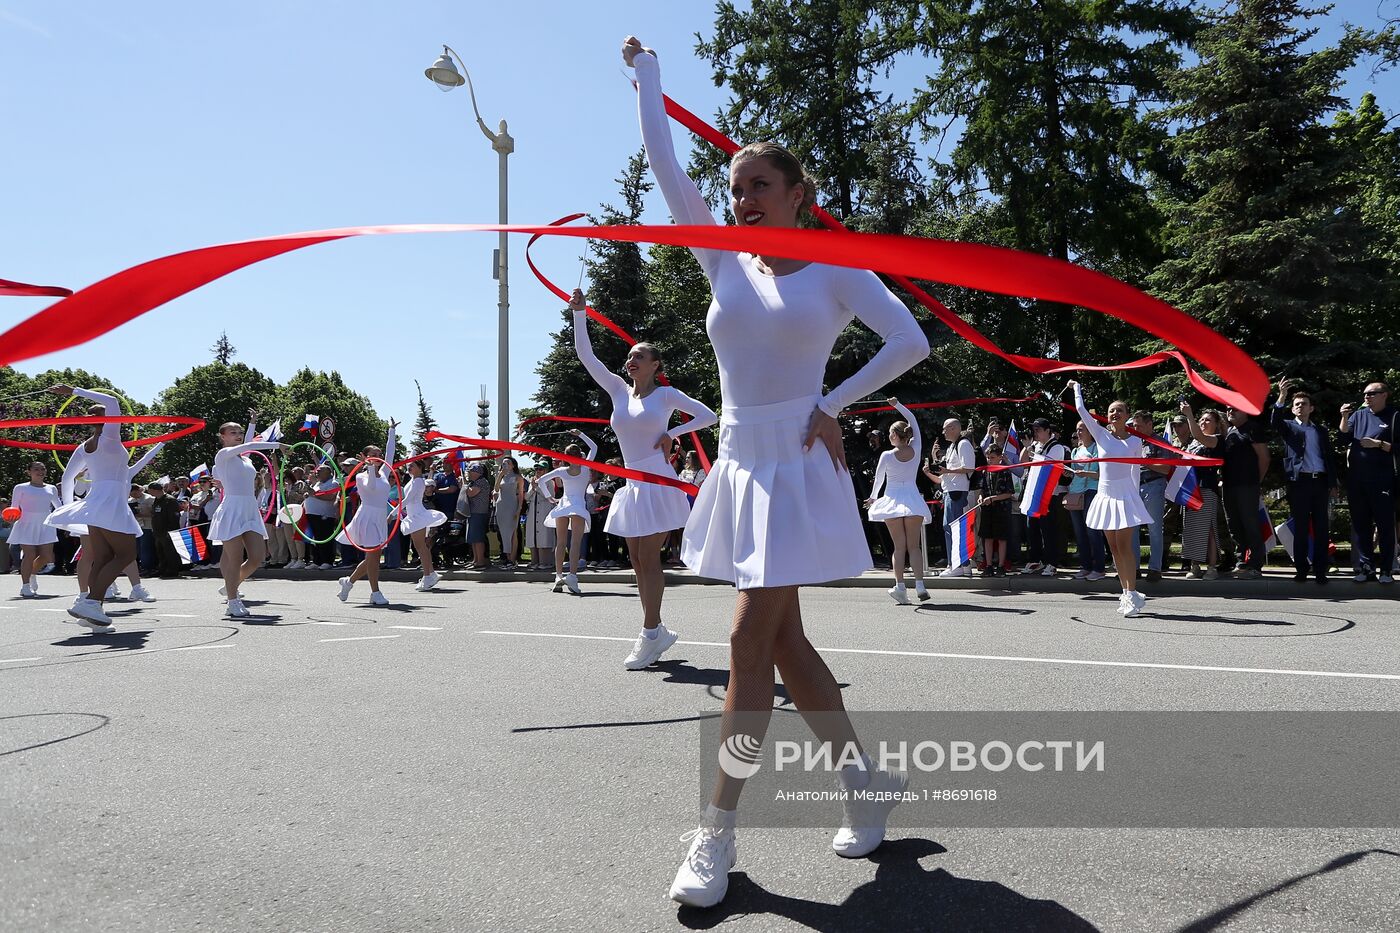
<point>23,290</point>
<point>193,425</point>
<point>1028,363</point>
<point>107,304</point>
<point>625,472</point>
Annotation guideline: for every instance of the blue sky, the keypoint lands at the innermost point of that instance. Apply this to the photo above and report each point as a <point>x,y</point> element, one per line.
<point>130,135</point>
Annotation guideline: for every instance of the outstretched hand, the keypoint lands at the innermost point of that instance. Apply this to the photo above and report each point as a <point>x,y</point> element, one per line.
<point>826,429</point>
<point>630,47</point>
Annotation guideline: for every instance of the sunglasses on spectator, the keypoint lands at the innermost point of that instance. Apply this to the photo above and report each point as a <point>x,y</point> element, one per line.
<point>1369,394</point>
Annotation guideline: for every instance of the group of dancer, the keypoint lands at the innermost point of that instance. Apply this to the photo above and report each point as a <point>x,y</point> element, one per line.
<point>776,512</point>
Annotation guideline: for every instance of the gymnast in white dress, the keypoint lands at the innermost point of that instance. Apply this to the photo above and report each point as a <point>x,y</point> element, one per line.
<point>1117,508</point>
<point>643,513</point>
<point>902,507</point>
<point>569,513</point>
<point>417,520</point>
<point>779,509</point>
<point>237,523</point>
<point>35,537</point>
<point>368,531</point>
<point>105,511</point>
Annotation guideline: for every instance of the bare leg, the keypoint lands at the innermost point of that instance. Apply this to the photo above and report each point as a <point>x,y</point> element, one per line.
<point>371,565</point>
<point>561,544</point>
<point>84,564</point>
<point>576,527</point>
<point>912,528</point>
<point>254,549</point>
<point>645,553</point>
<point>900,546</point>
<point>1120,542</point>
<point>425,551</point>
<point>112,551</point>
<point>231,565</point>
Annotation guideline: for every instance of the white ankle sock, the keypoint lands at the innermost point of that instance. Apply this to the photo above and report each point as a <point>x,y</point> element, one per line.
<point>651,632</point>
<point>716,818</point>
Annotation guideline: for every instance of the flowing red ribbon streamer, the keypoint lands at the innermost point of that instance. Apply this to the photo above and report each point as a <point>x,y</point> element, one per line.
<point>625,472</point>
<point>965,330</point>
<point>107,304</point>
<point>607,322</point>
<point>25,290</point>
<point>192,425</point>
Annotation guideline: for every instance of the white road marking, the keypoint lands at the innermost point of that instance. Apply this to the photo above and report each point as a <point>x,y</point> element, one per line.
<point>17,660</point>
<point>996,657</point>
<point>41,609</point>
<point>362,638</point>
<point>173,615</point>
<point>202,647</point>
<point>418,628</point>
<point>324,622</point>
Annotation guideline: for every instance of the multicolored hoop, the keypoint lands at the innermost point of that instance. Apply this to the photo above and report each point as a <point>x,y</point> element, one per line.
<point>282,488</point>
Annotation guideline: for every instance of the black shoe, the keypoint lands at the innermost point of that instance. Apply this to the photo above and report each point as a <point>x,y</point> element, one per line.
<point>1300,577</point>
<point>1322,581</point>
<point>1153,575</point>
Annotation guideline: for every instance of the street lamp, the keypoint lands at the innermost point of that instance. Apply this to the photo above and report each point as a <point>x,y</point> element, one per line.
<point>445,74</point>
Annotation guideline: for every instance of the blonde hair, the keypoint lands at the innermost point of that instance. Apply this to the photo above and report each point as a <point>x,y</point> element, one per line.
<point>787,164</point>
<point>902,430</point>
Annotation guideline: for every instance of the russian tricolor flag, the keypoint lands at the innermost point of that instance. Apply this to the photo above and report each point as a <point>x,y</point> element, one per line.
<point>1013,442</point>
<point>1183,489</point>
<point>964,540</point>
<point>455,461</point>
<point>189,542</point>
<point>1040,491</point>
<point>310,423</point>
<point>1285,535</point>
<point>272,433</point>
<point>197,472</point>
<point>1266,527</point>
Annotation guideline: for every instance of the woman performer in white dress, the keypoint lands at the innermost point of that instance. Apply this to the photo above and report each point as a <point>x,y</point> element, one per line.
<point>539,533</point>
<point>237,523</point>
<point>417,519</point>
<point>111,527</point>
<point>902,507</point>
<point>67,491</point>
<point>369,529</point>
<point>643,513</point>
<point>569,513</point>
<point>778,510</point>
<point>1117,508</point>
<point>35,500</point>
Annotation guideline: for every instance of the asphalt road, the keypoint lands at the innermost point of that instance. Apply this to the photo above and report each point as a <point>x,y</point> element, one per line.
<point>330,766</point>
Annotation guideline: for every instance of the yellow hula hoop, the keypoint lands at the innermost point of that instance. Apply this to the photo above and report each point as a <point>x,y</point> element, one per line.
<point>53,429</point>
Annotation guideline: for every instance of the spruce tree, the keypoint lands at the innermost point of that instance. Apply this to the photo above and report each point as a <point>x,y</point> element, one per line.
<point>424,423</point>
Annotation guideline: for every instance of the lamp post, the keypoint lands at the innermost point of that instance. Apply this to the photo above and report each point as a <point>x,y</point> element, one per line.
<point>445,74</point>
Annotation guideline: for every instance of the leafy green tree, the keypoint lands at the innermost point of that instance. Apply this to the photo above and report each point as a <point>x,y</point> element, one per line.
<point>357,425</point>
<point>1268,241</point>
<point>218,393</point>
<point>1051,97</point>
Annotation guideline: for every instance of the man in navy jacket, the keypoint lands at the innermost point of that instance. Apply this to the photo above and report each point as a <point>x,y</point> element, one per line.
<point>1311,468</point>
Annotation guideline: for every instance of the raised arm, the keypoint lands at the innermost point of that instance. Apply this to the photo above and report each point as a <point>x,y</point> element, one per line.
<point>247,448</point>
<point>1102,435</point>
<point>701,417</point>
<point>917,441</point>
<point>135,469</point>
<point>385,468</point>
<point>865,296</point>
<point>684,200</point>
<point>110,406</point>
<point>588,442</point>
<point>609,381</point>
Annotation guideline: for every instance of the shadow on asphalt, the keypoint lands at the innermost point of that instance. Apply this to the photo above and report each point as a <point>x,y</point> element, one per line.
<point>117,641</point>
<point>962,607</point>
<point>95,721</point>
<point>902,896</point>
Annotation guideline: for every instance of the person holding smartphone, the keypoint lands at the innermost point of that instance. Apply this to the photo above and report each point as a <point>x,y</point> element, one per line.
<point>1370,431</point>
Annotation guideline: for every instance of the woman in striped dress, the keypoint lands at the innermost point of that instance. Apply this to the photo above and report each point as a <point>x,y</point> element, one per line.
<point>1199,539</point>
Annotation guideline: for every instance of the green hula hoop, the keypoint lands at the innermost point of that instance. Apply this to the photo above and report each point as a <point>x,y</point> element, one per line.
<point>53,429</point>
<point>282,492</point>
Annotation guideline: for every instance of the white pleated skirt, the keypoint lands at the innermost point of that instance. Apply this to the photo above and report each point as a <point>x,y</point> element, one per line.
<point>106,506</point>
<point>369,529</point>
<point>900,500</point>
<point>37,532</point>
<point>567,507</point>
<point>1116,507</point>
<point>771,514</point>
<point>639,509</point>
<point>236,516</point>
<point>420,519</point>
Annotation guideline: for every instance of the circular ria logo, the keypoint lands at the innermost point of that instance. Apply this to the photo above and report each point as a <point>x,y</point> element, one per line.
<point>738,756</point>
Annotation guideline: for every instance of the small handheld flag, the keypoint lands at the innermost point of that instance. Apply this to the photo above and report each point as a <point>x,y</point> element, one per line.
<point>310,423</point>
<point>189,543</point>
<point>1183,489</point>
<point>1040,490</point>
<point>1266,527</point>
<point>1013,442</point>
<point>271,434</point>
<point>964,539</point>
<point>199,471</point>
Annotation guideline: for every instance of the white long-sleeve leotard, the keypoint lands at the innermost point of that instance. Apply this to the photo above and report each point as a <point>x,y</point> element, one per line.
<point>575,484</point>
<point>890,469</point>
<point>773,335</point>
<point>1115,479</point>
<point>639,422</point>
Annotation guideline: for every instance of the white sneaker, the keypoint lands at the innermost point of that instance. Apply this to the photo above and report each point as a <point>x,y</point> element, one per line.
<point>1095,576</point>
<point>954,572</point>
<point>223,591</point>
<point>27,591</point>
<point>429,581</point>
<point>113,592</point>
<point>379,599</point>
<point>1048,571</point>
<point>571,581</point>
<point>47,568</point>
<point>236,609</point>
<point>863,829</point>
<point>294,565</point>
<point>703,878</point>
<point>921,591</point>
<point>1032,567</point>
<point>1137,599</point>
<point>345,585</point>
<point>899,594</point>
<point>558,583</point>
<point>89,614</point>
<point>647,651</point>
<point>140,594</point>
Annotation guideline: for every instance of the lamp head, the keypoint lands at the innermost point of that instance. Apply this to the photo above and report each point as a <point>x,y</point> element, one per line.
<point>444,73</point>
